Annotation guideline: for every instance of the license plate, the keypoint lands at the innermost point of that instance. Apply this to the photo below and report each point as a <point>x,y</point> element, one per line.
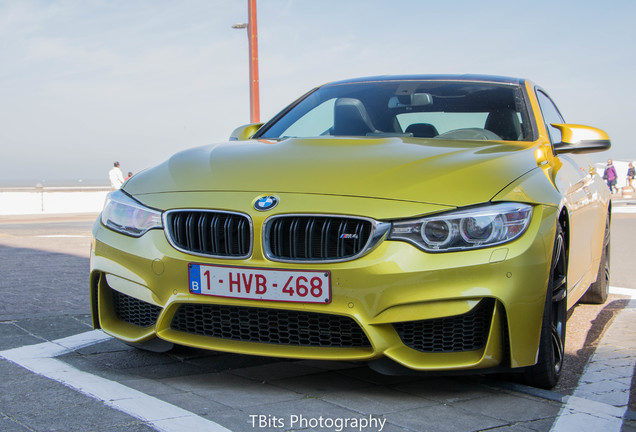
<point>305,286</point>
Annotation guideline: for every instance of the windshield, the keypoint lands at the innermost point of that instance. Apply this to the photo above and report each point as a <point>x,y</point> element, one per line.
<point>420,109</point>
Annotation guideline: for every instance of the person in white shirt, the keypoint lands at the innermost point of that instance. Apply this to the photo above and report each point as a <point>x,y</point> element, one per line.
<point>116,176</point>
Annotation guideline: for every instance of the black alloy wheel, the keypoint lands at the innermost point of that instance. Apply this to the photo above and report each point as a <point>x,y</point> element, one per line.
<point>546,372</point>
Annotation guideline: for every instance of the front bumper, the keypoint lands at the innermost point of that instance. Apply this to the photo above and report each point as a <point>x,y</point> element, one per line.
<point>461,310</point>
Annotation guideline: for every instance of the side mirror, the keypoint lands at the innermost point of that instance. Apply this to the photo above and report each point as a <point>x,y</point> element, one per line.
<point>581,139</point>
<point>245,132</point>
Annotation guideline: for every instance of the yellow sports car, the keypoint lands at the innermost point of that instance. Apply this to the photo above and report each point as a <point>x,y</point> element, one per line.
<point>432,223</point>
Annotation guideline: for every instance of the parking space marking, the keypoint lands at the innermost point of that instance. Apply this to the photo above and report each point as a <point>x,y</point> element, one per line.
<point>161,415</point>
<point>601,398</point>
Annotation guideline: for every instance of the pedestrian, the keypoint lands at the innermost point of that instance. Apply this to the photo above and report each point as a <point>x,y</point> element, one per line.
<point>609,175</point>
<point>631,173</point>
<point>128,176</point>
<point>115,176</point>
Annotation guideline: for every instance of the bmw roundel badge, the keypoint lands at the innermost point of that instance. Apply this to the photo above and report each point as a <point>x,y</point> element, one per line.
<point>266,202</point>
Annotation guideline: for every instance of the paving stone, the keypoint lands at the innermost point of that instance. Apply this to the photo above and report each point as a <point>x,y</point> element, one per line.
<point>51,329</point>
<point>600,376</point>
<point>318,385</point>
<point>9,342</point>
<point>151,387</point>
<point>510,407</point>
<point>446,390</point>
<point>442,418</point>
<point>11,328</point>
<point>596,387</point>
<point>377,400</point>
<point>195,403</point>
<point>276,370</point>
<point>109,346</point>
<point>10,425</point>
<point>542,425</point>
<point>223,362</point>
<point>584,422</point>
<point>231,390</point>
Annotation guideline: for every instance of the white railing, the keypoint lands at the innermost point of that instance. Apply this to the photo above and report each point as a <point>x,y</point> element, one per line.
<point>52,200</point>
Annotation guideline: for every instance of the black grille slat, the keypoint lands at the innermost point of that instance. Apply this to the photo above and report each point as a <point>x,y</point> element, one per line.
<point>191,233</point>
<point>324,252</point>
<point>293,229</point>
<point>216,233</point>
<point>458,333</point>
<point>134,311</point>
<point>227,230</point>
<point>315,238</point>
<point>243,237</point>
<point>204,232</point>
<point>179,228</point>
<point>210,232</point>
<point>273,326</point>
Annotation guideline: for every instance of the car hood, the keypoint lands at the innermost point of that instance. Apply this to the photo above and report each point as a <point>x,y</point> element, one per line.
<point>452,173</point>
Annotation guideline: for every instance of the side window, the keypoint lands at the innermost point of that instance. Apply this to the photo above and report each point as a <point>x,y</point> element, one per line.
<point>551,115</point>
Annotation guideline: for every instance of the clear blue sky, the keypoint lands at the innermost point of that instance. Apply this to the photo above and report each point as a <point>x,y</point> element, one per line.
<point>85,83</point>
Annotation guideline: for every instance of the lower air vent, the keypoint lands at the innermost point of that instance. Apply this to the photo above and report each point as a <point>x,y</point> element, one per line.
<point>134,311</point>
<point>458,333</point>
<point>273,326</point>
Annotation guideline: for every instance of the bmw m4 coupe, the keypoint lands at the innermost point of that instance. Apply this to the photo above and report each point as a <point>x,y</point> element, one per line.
<point>436,223</point>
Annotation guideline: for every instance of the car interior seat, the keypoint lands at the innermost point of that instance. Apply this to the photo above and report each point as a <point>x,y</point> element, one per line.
<point>505,123</point>
<point>422,130</point>
<point>351,118</point>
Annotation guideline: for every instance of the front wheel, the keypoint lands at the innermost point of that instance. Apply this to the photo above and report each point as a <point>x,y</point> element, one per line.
<point>545,374</point>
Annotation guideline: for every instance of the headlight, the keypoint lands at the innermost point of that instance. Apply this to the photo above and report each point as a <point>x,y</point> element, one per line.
<point>465,229</point>
<point>125,215</point>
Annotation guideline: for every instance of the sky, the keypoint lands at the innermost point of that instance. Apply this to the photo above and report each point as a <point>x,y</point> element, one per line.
<point>84,83</point>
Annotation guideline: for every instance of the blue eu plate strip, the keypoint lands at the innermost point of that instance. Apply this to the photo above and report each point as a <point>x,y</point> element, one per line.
<point>195,279</point>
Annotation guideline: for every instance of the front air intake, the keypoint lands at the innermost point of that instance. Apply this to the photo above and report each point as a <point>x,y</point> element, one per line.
<point>316,238</point>
<point>210,233</point>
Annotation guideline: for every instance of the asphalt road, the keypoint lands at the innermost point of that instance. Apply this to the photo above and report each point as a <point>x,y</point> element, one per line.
<point>93,383</point>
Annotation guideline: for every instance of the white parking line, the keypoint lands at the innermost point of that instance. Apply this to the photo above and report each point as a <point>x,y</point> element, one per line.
<point>601,398</point>
<point>161,415</point>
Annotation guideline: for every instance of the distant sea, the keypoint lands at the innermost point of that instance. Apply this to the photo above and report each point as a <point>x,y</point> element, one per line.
<point>21,183</point>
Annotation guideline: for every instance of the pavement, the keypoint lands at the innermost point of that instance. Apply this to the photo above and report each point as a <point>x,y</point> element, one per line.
<point>59,374</point>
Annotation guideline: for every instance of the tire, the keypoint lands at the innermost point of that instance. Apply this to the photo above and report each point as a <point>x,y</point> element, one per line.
<point>597,292</point>
<point>545,374</point>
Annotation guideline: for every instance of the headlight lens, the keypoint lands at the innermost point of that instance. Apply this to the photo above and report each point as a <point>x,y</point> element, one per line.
<point>465,229</point>
<point>125,215</point>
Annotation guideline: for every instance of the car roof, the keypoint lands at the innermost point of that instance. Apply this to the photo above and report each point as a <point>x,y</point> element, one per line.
<point>439,77</point>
